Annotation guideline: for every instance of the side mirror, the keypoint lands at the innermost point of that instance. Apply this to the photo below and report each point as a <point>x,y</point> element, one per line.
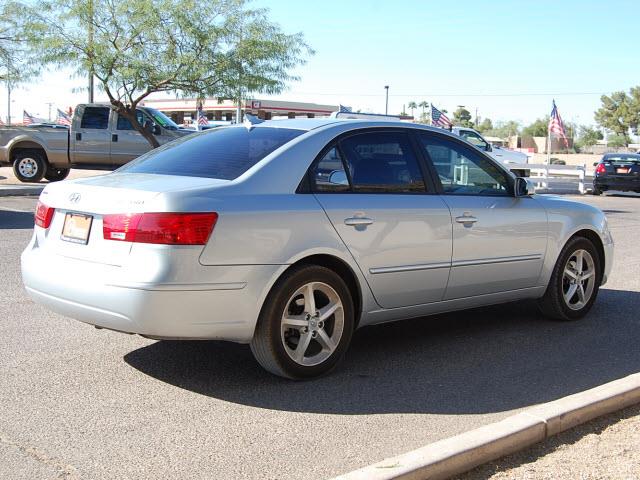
<point>338,177</point>
<point>595,164</point>
<point>157,130</point>
<point>488,147</point>
<point>523,188</point>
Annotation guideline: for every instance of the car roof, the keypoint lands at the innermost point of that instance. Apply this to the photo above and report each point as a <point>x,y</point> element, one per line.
<point>309,124</point>
<point>634,156</point>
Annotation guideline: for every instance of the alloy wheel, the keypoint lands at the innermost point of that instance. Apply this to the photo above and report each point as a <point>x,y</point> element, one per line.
<point>578,279</point>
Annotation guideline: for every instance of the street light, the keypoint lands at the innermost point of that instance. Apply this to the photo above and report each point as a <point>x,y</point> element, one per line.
<point>386,103</point>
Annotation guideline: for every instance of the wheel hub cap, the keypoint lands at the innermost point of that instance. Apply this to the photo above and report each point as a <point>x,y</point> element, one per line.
<point>27,167</point>
<point>578,279</point>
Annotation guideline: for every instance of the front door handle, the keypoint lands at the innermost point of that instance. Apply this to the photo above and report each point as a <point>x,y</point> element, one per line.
<point>78,136</point>
<point>466,219</point>
<point>358,221</point>
<point>114,137</point>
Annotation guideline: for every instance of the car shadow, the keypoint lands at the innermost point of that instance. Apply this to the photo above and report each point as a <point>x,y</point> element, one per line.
<point>477,361</point>
<point>10,220</point>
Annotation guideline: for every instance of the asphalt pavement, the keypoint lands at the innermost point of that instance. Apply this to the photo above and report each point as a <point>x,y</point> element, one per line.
<point>84,403</point>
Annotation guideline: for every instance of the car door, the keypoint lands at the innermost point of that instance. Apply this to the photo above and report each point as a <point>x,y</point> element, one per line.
<point>90,137</point>
<point>127,143</point>
<point>499,240</point>
<point>372,188</point>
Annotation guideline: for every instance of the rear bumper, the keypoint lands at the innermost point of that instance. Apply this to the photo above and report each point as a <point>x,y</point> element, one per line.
<point>224,307</point>
<point>617,184</point>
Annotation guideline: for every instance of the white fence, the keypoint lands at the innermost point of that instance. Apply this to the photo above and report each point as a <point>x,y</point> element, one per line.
<point>556,178</point>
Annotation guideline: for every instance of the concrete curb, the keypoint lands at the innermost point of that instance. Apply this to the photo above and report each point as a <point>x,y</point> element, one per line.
<point>455,455</point>
<point>20,190</point>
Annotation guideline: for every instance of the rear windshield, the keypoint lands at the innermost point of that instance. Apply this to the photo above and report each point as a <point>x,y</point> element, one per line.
<point>224,153</point>
<point>621,159</point>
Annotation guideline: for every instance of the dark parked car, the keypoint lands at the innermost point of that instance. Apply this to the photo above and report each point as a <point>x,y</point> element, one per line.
<point>617,171</point>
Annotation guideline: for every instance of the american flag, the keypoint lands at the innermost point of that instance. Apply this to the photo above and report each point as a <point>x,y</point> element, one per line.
<point>63,118</point>
<point>556,126</point>
<point>27,119</point>
<point>343,109</point>
<point>439,119</point>
<point>202,117</point>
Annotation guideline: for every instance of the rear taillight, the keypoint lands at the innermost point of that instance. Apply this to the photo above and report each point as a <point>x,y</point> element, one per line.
<point>44,215</point>
<point>601,168</point>
<point>162,228</point>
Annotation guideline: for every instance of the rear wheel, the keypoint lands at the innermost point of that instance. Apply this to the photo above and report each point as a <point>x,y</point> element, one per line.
<point>306,324</point>
<point>29,166</point>
<point>574,283</point>
<point>595,191</point>
<point>56,174</point>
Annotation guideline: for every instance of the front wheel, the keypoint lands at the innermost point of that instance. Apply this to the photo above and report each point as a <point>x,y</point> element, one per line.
<point>595,191</point>
<point>29,166</point>
<point>56,174</point>
<point>305,325</point>
<point>574,283</point>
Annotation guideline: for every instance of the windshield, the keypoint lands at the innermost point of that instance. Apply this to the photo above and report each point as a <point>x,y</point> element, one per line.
<point>224,153</point>
<point>161,119</point>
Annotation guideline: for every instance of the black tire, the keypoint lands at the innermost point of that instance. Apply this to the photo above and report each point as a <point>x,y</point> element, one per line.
<point>553,303</point>
<point>595,191</point>
<point>269,344</point>
<point>56,174</point>
<point>29,166</point>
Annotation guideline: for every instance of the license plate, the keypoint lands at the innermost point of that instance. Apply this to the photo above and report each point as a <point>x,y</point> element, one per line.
<point>622,170</point>
<point>76,228</point>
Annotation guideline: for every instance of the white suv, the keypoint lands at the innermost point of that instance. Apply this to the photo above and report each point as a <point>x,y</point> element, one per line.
<point>503,155</point>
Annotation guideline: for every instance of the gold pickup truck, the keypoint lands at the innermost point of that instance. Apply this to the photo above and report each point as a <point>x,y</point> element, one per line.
<point>98,138</point>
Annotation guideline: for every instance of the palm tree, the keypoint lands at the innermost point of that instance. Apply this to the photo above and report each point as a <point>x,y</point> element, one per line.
<point>412,106</point>
<point>423,104</point>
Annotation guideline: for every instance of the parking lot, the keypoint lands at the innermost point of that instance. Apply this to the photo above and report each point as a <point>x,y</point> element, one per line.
<point>84,403</point>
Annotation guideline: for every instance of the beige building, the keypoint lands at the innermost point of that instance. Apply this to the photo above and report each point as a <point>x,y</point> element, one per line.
<point>184,110</point>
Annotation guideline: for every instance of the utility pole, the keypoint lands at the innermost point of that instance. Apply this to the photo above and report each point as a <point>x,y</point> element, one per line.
<point>386,103</point>
<point>50,104</point>
<point>90,33</point>
<point>477,119</point>
<point>8,91</point>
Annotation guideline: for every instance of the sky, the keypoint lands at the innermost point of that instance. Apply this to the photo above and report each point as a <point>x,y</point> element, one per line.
<point>507,59</point>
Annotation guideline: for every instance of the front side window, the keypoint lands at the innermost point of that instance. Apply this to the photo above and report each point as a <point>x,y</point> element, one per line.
<point>382,162</point>
<point>95,118</point>
<point>463,171</point>
<point>224,153</point>
<point>125,124</point>
<point>474,138</point>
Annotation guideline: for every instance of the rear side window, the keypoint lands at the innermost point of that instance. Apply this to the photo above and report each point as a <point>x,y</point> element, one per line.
<point>382,162</point>
<point>95,117</point>
<point>224,153</point>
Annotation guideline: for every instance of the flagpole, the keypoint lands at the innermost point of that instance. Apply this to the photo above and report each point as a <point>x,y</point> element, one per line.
<point>548,145</point>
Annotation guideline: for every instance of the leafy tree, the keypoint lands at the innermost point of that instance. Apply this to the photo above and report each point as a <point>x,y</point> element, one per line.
<point>619,112</point>
<point>15,62</point>
<point>412,106</point>
<point>217,48</point>
<point>617,141</point>
<point>485,125</point>
<point>504,129</point>
<point>462,117</point>
<point>538,128</point>
<point>588,136</point>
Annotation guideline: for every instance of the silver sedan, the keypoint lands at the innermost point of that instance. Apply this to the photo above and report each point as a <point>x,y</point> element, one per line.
<point>288,235</point>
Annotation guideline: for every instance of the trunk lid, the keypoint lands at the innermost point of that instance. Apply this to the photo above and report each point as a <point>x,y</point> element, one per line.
<point>95,197</point>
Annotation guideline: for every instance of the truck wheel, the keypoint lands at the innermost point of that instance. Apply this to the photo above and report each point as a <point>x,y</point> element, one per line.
<point>29,166</point>
<point>56,174</point>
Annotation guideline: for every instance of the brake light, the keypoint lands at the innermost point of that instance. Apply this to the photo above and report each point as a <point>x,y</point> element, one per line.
<point>601,168</point>
<point>44,215</point>
<point>160,228</point>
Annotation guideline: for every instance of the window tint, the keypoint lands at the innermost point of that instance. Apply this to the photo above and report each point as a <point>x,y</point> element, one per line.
<point>463,171</point>
<point>224,153</point>
<point>382,162</point>
<point>124,124</point>
<point>329,175</point>
<point>95,117</point>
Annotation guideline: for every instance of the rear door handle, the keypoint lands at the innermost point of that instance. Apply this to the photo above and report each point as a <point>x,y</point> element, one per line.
<point>78,137</point>
<point>114,137</point>
<point>466,218</point>
<point>358,221</point>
